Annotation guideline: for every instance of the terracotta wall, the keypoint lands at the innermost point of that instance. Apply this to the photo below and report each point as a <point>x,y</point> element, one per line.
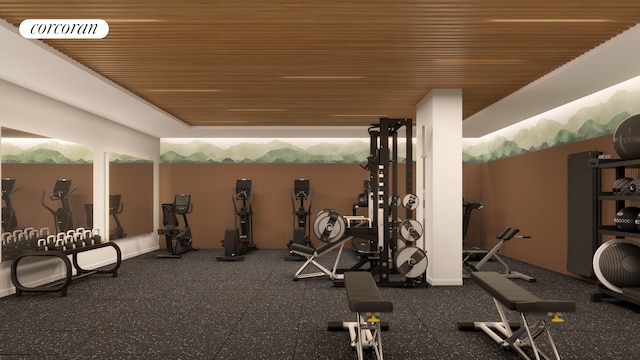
<point>335,186</point>
<point>134,182</point>
<point>528,192</point>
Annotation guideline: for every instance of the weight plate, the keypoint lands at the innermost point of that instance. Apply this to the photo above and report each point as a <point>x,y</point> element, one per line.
<point>410,201</point>
<point>411,261</point>
<point>410,230</point>
<point>328,225</point>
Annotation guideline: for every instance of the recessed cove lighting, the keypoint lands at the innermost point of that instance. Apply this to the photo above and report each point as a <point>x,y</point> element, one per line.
<point>478,61</point>
<point>314,77</point>
<point>257,110</point>
<point>184,90</point>
<point>550,20</point>
<point>359,115</point>
<point>133,20</point>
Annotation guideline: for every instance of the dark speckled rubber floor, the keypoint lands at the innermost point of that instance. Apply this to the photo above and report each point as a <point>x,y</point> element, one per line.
<point>199,308</point>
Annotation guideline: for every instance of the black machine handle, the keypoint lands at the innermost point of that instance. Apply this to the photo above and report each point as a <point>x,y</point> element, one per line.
<point>118,210</point>
<point>293,202</point>
<point>53,196</point>
<point>45,205</point>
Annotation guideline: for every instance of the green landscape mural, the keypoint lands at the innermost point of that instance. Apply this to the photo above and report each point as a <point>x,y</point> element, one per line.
<point>275,151</point>
<point>38,151</point>
<point>587,122</point>
<point>128,159</point>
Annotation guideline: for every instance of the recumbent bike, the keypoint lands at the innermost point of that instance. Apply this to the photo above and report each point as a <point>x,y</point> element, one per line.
<point>178,239</point>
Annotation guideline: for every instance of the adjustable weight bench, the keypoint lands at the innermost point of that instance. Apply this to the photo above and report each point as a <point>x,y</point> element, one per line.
<point>505,235</point>
<point>311,254</point>
<point>365,300</point>
<point>507,294</point>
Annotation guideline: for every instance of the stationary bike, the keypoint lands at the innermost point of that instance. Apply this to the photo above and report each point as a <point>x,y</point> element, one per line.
<point>301,227</point>
<point>236,241</point>
<point>178,239</point>
<point>62,215</point>
<point>9,220</point>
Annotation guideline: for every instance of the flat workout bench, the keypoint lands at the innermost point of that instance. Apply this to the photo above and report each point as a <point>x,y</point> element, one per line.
<point>508,294</point>
<point>366,301</point>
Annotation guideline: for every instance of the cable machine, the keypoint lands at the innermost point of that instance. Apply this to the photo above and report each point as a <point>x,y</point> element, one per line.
<point>386,257</point>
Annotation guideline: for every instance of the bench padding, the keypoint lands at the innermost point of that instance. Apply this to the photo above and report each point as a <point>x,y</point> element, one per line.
<point>363,293</point>
<point>514,297</point>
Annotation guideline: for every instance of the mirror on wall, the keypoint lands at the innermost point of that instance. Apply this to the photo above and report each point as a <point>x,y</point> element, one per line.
<point>46,184</point>
<point>130,196</point>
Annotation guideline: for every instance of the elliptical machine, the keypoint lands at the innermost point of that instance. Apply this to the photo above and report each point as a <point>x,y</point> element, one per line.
<point>62,215</point>
<point>236,241</point>
<point>301,226</point>
<point>178,239</point>
<point>9,220</point>
<point>115,207</point>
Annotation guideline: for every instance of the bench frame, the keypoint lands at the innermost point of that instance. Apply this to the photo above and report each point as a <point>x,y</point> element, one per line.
<point>534,314</point>
<point>312,254</point>
<point>366,301</point>
<point>505,235</point>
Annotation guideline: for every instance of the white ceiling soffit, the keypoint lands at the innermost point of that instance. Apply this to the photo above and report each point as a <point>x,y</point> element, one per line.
<point>606,65</point>
<point>38,67</point>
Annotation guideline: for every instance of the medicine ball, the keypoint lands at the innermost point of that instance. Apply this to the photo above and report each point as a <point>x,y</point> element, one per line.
<point>617,264</point>
<point>625,219</point>
<point>634,186</point>
<point>626,138</point>
<point>622,186</point>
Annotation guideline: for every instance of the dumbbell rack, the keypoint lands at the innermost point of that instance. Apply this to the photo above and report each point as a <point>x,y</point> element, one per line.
<point>62,284</point>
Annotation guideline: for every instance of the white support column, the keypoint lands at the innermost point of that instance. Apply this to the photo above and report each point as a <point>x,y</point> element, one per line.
<point>439,183</point>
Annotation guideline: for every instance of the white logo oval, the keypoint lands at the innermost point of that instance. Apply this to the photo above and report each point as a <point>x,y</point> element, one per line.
<point>64,28</point>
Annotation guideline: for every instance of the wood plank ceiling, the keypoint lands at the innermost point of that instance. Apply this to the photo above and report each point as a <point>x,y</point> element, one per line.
<point>303,62</point>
